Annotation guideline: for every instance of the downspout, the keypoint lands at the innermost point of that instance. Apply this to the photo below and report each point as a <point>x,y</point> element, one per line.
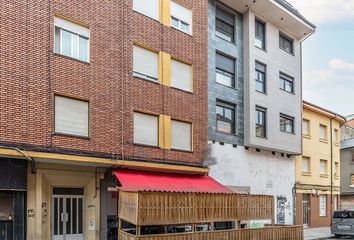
<point>33,168</point>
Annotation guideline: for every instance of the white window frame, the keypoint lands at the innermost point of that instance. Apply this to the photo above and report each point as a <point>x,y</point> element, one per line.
<point>323,205</point>
<point>180,21</point>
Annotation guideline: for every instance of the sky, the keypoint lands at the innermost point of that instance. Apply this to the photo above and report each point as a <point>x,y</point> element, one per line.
<point>328,55</point>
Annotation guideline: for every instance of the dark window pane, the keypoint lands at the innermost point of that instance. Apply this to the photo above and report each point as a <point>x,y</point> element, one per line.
<point>61,212</point>
<point>80,215</point>
<point>225,118</point>
<point>56,220</point>
<point>57,40</point>
<point>260,122</point>
<point>260,34</point>
<point>286,83</point>
<point>74,206</point>
<point>286,124</point>
<point>225,63</point>
<point>68,215</point>
<point>260,73</point>
<point>68,191</point>
<point>286,43</point>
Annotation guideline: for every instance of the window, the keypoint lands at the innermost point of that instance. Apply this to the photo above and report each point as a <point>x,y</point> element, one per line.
<point>352,181</point>
<point>286,43</point>
<point>286,123</point>
<point>145,63</point>
<point>335,202</point>
<point>71,116</point>
<point>225,24</point>
<point>149,8</point>
<point>6,211</point>
<point>323,205</point>
<point>306,165</point>
<point>336,137</point>
<point>323,132</point>
<point>261,119</point>
<point>225,117</point>
<point>286,83</point>
<point>306,127</point>
<point>260,77</point>
<point>146,129</point>
<point>71,39</point>
<point>181,75</point>
<point>225,70</point>
<point>323,167</point>
<point>181,135</point>
<point>181,17</point>
<point>336,169</point>
<point>260,40</point>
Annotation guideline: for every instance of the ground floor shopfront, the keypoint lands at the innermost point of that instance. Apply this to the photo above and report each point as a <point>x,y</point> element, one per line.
<point>314,207</point>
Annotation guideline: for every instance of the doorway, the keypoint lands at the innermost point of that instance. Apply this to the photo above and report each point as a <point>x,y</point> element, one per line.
<point>306,209</point>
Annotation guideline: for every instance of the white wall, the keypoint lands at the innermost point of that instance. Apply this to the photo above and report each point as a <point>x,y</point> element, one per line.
<point>263,172</point>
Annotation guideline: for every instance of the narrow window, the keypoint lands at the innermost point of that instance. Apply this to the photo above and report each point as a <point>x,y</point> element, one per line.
<point>225,24</point>
<point>146,129</point>
<point>286,123</point>
<point>71,40</point>
<point>323,132</point>
<point>323,167</point>
<point>181,75</point>
<point>149,8</point>
<point>286,43</point>
<point>352,181</point>
<point>181,135</point>
<point>145,63</point>
<point>286,83</point>
<point>181,17</point>
<point>336,137</point>
<point>306,165</point>
<point>261,119</point>
<point>225,117</point>
<point>306,127</point>
<point>260,40</point>
<point>261,73</point>
<point>323,205</point>
<point>336,169</point>
<point>225,70</point>
<point>71,116</point>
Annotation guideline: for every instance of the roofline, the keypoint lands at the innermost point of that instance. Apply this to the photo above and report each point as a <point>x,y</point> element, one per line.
<point>324,111</point>
<point>294,11</point>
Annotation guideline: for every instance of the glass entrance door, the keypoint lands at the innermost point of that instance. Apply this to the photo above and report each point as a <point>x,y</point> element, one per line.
<point>68,208</point>
<point>305,209</point>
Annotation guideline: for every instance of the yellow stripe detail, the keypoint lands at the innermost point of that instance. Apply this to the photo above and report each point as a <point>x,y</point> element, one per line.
<point>165,70</point>
<point>165,16</point>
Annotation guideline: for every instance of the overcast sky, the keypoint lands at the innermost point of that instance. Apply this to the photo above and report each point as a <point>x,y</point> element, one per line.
<point>328,55</point>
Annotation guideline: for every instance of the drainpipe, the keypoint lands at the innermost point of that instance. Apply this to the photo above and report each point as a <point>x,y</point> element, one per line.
<point>33,168</point>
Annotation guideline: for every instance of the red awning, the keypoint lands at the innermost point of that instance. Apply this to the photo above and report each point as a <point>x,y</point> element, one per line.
<point>137,181</point>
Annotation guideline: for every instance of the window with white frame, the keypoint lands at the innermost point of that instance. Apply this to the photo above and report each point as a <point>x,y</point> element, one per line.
<point>323,167</point>
<point>71,39</point>
<point>323,132</point>
<point>323,205</point>
<point>181,135</point>
<point>149,8</point>
<point>305,127</point>
<point>181,75</point>
<point>336,136</point>
<point>181,17</point>
<point>146,129</point>
<point>145,63</point>
<point>306,165</point>
<point>71,116</point>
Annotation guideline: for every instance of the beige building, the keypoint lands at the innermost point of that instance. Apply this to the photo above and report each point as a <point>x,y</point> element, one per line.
<point>317,170</point>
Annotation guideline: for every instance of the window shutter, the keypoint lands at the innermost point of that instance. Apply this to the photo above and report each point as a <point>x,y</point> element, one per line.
<point>71,116</point>
<point>149,8</point>
<point>181,135</point>
<point>72,27</point>
<point>225,63</point>
<point>145,62</point>
<point>181,75</point>
<point>225,16</point>
<point>145,129</point>
<point>180,12</point>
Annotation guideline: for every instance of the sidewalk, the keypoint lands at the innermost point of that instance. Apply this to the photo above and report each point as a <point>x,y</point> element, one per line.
<point>317,233</point>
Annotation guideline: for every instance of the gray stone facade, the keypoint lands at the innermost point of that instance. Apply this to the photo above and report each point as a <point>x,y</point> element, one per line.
<point>218,91</point>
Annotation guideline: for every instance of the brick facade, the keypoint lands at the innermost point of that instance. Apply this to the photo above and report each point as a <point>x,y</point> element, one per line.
<point>31,73</point>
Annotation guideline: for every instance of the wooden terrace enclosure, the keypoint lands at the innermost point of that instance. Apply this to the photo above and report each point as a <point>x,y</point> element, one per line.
<point>170,215</point>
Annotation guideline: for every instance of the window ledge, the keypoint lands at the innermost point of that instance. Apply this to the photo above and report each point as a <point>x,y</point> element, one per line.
<point>306,136</point>
<point>232,43</point>
<point>336,144</point>
<point>71,135</point>
<point>264,93</point>
<point>181,150</point>
<point>146,145</point>
<point>187,33</point>
<point>229,134</point>
<point>324,175</point>
<point>336,177</point>
<point>291,93</point>
<point>185,91</point>
<point>148,80</point>
<point>290,53</point>
<point>71,58</point>
<point>306,173</point>
<point>264,50</point>
<point>291,133</point>
<point>351,186</point>
<point>233,88</point>
<point>323,140</point>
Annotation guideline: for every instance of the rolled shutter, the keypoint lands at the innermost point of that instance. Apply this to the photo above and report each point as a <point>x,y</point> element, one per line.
<point>225,16</point>
<point>225,63</point>
<point>181,135</point>
<point>145,129</point>
<point>149,8</point>
<point>180,12</point>
<point>145,62</point>
<point>181,75</point>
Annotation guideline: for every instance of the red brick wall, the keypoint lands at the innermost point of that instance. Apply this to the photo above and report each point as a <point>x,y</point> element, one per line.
<point>30,75</point>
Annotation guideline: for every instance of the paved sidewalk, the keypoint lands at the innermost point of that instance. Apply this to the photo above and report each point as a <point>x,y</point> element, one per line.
<point>317,233</point>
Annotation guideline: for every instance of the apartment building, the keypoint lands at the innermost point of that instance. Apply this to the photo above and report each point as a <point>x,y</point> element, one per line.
<point>346,164</point>
<point>255,98</point>
<point>87,87</point>
<point>318,169</point>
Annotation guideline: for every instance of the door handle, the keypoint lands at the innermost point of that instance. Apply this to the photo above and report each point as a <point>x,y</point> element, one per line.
<point>62,217</point>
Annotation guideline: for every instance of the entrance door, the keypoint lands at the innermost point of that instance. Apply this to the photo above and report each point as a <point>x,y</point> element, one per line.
<point>305,209</point>
<point>68,209</point>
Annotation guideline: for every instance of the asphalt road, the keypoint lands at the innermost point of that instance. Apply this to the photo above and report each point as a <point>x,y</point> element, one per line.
<point>342,238</point>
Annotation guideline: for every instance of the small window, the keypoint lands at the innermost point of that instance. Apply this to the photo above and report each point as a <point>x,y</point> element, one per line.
<point>181,135</point>
<point>225,70</point>
<point>336,169</point>
<point>181,75</point>
<point>71,116</point>
<point>352,180</point>
<point>148,8</point>
<point>323,167</point>
<point>260,39</point>
<point>323,132</point>
<point>261,120</point>
<point>225,24</point>
<point>336,137</point>
<point>181,17</point>
<point>286,123</point>
<point>306,165</point>
<point>323,205</point>
<point>306,127</point>
<point>71,39</point>
<point>225,117</point>
<point>261,77</point>
<point>286,83</point>
<point>146,129</point>
<point>286,43</point>
<point>145,63</point>
<point>6,212</point>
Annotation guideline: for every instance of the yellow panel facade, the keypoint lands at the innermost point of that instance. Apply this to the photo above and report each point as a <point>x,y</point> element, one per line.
<point>165,131</point>
<point>165,69</point>
<point>165,14</point>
